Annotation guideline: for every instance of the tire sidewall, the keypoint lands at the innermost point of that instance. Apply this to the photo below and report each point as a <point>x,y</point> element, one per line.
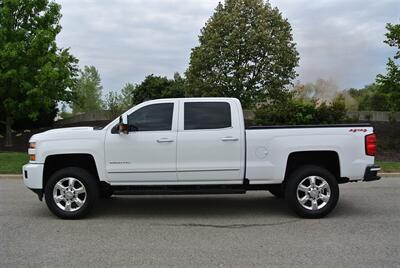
<point>85,178</point>
<point>291,191</point>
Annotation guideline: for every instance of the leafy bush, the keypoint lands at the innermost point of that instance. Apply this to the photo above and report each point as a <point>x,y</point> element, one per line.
<point>373,100</point>
<point>299,112</point>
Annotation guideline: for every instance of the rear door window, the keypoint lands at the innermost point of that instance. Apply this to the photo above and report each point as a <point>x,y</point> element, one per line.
<point>207,115</point>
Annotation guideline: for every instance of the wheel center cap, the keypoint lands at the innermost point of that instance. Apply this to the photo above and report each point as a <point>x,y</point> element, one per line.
<point>69,194</point>
<point>314,193</point>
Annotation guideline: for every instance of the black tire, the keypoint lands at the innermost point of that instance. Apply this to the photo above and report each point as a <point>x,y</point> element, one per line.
<point>293,194</point>
<point>277,191</point>
<point>90,195</point>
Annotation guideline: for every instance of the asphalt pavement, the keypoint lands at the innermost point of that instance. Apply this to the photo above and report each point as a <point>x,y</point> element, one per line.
<point>255,229</point>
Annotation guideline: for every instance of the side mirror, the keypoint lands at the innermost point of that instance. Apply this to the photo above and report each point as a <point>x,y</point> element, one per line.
<point>123,127</point>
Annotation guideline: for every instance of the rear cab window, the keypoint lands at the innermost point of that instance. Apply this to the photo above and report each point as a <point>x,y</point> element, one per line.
<point>207,115</point>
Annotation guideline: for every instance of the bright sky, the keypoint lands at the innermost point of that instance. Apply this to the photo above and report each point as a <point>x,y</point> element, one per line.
<point>129,39</point>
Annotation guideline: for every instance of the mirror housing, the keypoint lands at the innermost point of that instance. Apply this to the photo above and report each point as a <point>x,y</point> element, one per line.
<point>123,127</point>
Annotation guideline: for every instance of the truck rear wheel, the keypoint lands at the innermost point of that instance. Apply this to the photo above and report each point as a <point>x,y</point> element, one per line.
<point>71,192</point>
<point>312,192</point>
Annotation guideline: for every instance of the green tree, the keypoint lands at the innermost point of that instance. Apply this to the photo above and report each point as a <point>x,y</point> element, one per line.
<point>176,88</point>
<point>246,51</point>
<point>34,71</point>
<point>113,104</point>
<point>152,87</point>
<point>127,96</point>
<point>87,91</point>
<point>389,84</point>
<point>116,103</point>
<point>293,111</point>
<point>371,98</point>
<point>155,87</point>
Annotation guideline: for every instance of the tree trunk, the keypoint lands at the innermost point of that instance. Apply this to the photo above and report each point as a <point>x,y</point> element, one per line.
<point>8,124</point>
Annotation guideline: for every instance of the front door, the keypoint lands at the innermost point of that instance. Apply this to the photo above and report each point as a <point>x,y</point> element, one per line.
<point>148,153</point>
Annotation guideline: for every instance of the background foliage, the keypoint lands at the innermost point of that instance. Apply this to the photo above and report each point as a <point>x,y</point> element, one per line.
<point>154,87</point>
<point>384,93</point>
<point>34,71</point>
<point>246,51</point>
<point>298,112</point>
<point>87,91</point>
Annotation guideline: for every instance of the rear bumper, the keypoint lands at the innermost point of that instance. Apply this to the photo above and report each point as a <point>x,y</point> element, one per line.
<point>371,173</point>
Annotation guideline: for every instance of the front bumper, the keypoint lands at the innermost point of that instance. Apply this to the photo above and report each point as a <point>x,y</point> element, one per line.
<point>33,178</point>
<point>371,173</point>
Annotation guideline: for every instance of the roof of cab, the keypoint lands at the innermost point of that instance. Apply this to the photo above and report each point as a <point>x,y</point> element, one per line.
<point>194,98</point>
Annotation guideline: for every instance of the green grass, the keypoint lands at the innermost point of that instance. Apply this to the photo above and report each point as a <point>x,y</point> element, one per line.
<point>389,166</point>
<point>11,162</point>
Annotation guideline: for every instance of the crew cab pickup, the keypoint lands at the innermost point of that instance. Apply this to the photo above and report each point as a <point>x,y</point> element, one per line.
<point>196,146</point>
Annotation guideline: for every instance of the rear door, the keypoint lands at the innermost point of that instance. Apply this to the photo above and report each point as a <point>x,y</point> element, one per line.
<point>210,143</point>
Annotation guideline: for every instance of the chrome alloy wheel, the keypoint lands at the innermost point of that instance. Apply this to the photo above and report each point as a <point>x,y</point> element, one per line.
<point>313,192</point>
<point>69,194</point>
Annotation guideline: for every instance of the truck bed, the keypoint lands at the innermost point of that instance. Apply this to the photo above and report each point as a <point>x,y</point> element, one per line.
<point>270,148</point>
<point>309,126</point>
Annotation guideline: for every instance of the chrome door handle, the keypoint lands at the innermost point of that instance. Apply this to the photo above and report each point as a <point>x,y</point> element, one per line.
<point>229,139</point>
<point>163,140</point>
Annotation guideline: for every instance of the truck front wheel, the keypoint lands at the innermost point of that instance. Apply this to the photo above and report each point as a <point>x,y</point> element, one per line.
<point>312,192</point>
<point>71,192</point>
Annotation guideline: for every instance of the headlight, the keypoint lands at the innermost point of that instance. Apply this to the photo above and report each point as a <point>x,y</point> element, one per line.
<point>32,155</point>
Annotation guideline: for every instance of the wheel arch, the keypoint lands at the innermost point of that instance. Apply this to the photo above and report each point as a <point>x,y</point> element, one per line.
<point>325,159</point>
<point>56,162</point>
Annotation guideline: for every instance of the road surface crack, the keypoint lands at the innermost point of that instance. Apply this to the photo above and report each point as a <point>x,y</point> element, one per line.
<point>228,226</point>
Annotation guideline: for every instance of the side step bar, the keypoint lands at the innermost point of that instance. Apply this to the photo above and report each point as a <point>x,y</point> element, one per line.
<point>179,190</point>
<point>176,192</point>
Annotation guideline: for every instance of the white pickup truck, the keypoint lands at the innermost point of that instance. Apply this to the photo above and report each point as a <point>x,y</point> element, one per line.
<point>193,146</point>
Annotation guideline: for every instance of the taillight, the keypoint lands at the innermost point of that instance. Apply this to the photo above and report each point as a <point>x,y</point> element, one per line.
<point>370,144</point>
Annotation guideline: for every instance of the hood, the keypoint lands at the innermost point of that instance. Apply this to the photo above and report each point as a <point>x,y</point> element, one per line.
<point>64,133</point>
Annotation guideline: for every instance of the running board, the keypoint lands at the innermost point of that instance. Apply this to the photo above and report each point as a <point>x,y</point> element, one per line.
<point>177,190</point>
